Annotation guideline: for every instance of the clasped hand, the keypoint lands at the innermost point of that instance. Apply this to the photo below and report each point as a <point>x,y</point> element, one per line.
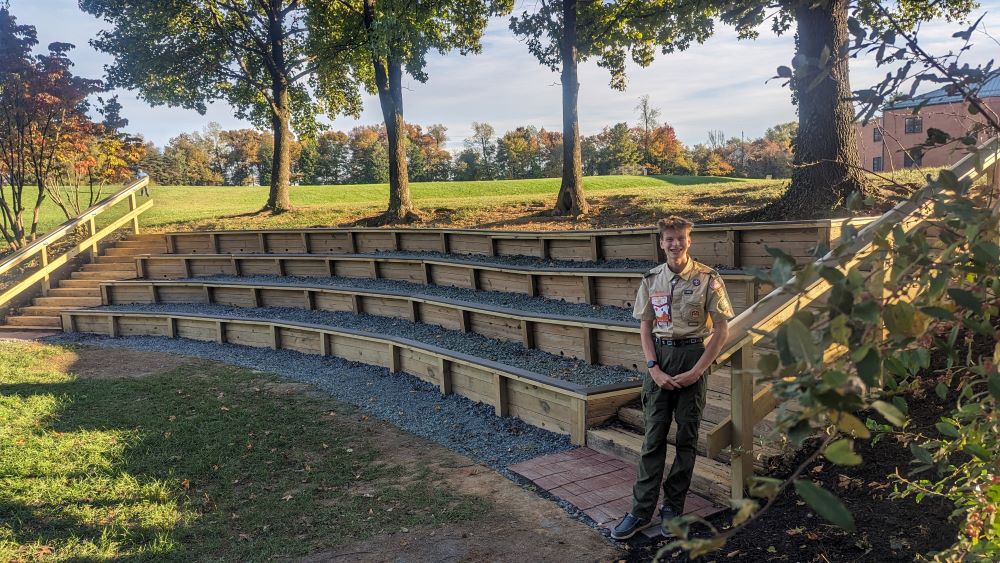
<point>678,381</point>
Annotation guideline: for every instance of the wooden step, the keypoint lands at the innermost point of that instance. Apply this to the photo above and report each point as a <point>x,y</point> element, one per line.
<point>39,329</point>
<point>711,478</point>
<point>115,267</point>
<point>75,292</point>
<point>54,301</point>
<point>115,251</point>
<point>43,311</point>
<point>631,420</point>
<point>115,260</point>
<point>128,243</point>
<point>82,283</point>
<point>156,237</point>
<point>35,321</point>
<point>103,276</point>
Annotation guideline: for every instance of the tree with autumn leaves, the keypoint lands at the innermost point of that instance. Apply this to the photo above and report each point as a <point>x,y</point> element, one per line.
<point>46,137</point>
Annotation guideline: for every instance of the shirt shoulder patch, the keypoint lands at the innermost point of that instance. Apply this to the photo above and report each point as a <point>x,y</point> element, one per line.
<point>653,272</point>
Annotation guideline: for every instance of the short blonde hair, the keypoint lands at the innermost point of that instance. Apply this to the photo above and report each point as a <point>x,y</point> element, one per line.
<point>674,223</point>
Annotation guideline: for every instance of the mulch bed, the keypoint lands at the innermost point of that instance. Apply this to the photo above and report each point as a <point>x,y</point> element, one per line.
<point>887,529</point>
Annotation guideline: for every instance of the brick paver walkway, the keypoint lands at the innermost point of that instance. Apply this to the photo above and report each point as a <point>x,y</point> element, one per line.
<point>597,484</point>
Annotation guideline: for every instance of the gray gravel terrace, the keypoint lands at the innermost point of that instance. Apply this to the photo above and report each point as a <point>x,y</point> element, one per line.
<point>522,261</point>
<point>455,422</point>
<point>508,353</point>
<point>539,306</point>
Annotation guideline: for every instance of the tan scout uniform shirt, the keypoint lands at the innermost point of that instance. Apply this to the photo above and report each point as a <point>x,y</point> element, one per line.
<point>681,307</point>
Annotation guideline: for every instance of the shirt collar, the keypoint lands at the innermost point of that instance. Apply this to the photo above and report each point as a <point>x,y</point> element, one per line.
<point>684,274</point>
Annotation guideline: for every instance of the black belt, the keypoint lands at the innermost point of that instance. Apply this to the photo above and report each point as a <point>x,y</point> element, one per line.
<point>679,341</point>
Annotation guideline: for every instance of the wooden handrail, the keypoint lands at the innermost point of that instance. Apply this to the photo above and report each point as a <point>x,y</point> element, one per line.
<point>36,247</point>
<point>767,314</point>
<point>42,245</point>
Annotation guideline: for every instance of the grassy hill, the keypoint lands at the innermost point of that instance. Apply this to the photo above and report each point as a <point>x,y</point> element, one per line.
<point>616,201</point>
<point>521,204</point>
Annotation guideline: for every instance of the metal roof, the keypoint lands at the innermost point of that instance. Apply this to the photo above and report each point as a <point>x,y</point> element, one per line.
<point>990,88</point>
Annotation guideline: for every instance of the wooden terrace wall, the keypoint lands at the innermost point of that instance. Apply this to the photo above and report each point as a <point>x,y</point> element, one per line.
<point>726,245</point>
<point>542,401</point>
<point>616,287</point>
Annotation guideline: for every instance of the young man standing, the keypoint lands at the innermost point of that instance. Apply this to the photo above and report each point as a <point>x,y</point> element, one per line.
<point>679,304</point>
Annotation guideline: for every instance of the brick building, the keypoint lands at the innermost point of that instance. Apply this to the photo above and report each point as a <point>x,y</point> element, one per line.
<point>882,143</point>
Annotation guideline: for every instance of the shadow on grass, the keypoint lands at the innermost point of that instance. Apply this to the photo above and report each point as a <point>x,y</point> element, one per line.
<point>695,180</point>
<point>198,462</point>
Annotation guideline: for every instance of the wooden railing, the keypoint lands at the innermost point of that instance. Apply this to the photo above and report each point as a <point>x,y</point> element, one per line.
<point>42,249</point>
<point>761,319</point>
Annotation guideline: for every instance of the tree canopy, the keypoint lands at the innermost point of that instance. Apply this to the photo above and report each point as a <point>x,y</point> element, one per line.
<point>386,39</point>
<point>251,53</point>
<point>560,34</point>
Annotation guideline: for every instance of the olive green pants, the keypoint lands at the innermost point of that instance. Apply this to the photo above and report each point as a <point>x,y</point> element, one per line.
<point>659,407</point>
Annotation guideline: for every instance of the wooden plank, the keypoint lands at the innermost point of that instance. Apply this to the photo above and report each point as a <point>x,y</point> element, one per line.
<point>587,286</point>
<point>445,371</point>
<point>196,329</point>
<point>501,397</point>
<point>527,333</point>
<point>395,364</point>
<point>327,301</point>
<point>498,327</point>
<point>578,422</point>
<point>741,458</point>
<point>589,346</point>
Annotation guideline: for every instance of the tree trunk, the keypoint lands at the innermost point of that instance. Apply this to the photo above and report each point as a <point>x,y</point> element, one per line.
<point>278,200</point>
<point>571,200</point>
<point>390,97</point>
<point>827,166</point>
<point>388,83</point>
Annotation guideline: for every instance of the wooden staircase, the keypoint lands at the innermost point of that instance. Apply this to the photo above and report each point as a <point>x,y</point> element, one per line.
<point>83,287</point>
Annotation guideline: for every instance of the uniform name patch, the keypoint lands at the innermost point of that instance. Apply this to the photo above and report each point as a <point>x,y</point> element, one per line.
<point>688,291</point>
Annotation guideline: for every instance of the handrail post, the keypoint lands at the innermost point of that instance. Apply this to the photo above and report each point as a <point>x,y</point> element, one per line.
<point>92,225</point>
<point>132,204</point>
<point>46,284</point>
<point>741,395</point>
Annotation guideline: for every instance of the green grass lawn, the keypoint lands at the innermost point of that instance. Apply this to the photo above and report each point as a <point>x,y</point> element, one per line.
<point>197,462</point>
<point>462,204</point>
<point>616,201</point>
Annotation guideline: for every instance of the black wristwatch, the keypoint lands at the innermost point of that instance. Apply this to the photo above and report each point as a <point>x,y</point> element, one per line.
<point>650,364</point>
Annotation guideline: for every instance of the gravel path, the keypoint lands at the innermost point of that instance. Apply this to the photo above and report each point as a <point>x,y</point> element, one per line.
<point>508,353</point>
<point>523,261</point>
<point>457,423</point>
<point>517,301</point>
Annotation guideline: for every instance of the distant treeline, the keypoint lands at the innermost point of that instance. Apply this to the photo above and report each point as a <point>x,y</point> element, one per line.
<point>216,156</point>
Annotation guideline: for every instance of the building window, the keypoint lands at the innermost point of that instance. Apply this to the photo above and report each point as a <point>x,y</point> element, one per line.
<point>910,162</point>
<point>877,164</point>
<point>914,125</point>
<point>877,134</point>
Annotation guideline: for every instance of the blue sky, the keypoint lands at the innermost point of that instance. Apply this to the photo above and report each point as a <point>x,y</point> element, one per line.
<point>719,85</point>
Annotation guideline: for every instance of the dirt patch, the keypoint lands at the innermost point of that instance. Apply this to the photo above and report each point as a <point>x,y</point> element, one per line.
<point>112,363</point>
<point>521,527</point>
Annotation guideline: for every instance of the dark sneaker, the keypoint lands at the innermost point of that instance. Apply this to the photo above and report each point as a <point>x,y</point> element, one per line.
<point>628,527</point>
<point>666,515</point>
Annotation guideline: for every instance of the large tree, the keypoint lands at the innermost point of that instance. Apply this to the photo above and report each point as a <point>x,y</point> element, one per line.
<point>826,168</point>
<point>393,37</point>
<point>563,33</point>
<point>251,53</point>
<point>43,117</point>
